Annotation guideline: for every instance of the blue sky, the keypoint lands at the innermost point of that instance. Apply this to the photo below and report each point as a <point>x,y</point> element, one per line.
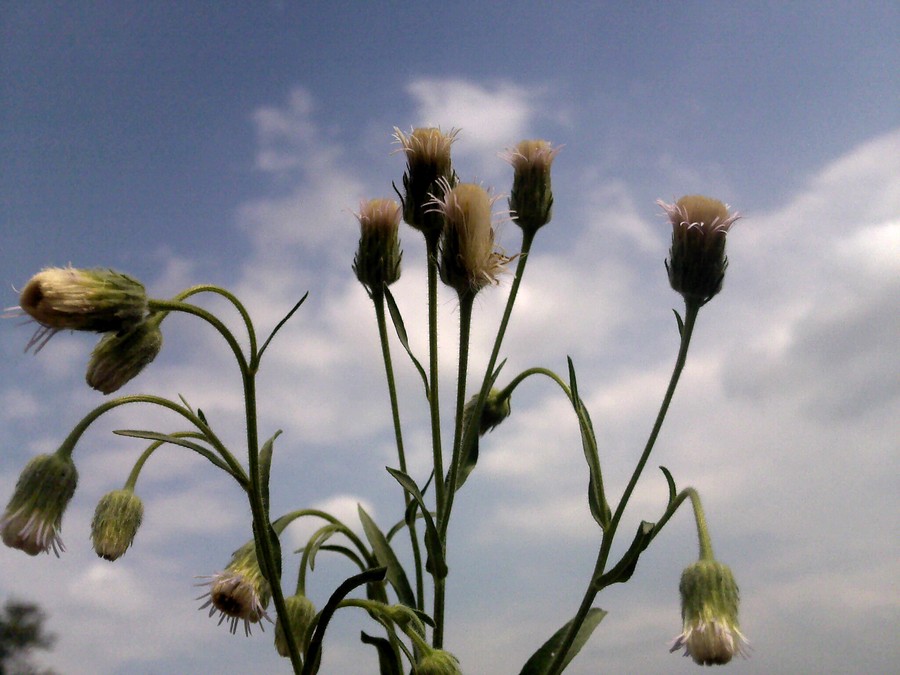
<point>187,143</point>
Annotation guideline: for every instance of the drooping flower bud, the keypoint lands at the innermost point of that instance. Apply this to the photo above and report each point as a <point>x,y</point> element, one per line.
<point>99,300</point>
<point>494,411</point>
<point>709,611</point>
<point>33,517</point>
<point>119,357</point>
<point>240,592</point>
<point>438,662</point>
<point>697,258</point>
<point>377,260</point>
<point>428,167</point>
<point>116,521</point>
<point>469,261</point>
<point>531,198</point>
<point>302,615</point>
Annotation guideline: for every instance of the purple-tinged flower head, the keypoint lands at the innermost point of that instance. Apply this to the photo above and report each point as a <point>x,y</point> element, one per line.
<point>428,169</point>
<point>697,260</point>
<point>531,197</point>
<point>33,517</point>
<point>116,521</point>
<point>240,592</point>
<point>377,260</point>
<point>66,298</point>
<point>468,259</point>
<point>120,357</point>
<point>302,615</point>
<point>709,612</point>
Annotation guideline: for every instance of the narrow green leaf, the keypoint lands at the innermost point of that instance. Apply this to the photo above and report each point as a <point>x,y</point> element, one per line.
<point>671,481</point>
<point>543,657</point>
<point>625,567</point>
<point>202,417</point>
<point>435,563</point>
<point>401,335</point>
<point>388,662</point>
<point>177,440</point>
<point>265,468</point>
<point>396,575</point>
<point>468,456</point>
<point>315,644</point>
<point>279,325</point>
<point>680,323</point>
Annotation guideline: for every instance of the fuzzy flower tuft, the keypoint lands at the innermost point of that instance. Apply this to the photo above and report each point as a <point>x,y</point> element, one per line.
<point>531,198</point>
<point>377,261</point>
<point>33,517</point>
<point>240,593</point>
<point>66,298</point>
<point>116,521</point>
<point>469,261</point>
<point>697,261</point>
<point>709,610</point>
<point>428,168</point>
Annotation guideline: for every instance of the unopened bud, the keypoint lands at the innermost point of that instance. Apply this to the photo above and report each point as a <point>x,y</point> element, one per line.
<point>119,357</point>
<point>377,261</point>
<point>116,521</point>
<point>302,615</point>
<point>531,198</point>
<point>428,165</point>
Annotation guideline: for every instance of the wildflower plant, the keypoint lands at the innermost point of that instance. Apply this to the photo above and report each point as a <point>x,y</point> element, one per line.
<point>406,604</point>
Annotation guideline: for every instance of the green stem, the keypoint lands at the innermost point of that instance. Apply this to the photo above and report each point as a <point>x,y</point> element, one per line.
<point>706,551</point>
<point>378,300</point>
<point>691,311</point>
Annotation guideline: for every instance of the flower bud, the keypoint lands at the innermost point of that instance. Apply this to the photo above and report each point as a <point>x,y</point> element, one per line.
<point>531,199</point>
<point>240,593</point>
<point>697,261</point>
<point>377,261</point>
<point>468,259</point>
<point>100,300</point>
<point>494,411</point>
<point>119,357</point>
<point>438,662</point>
<point>33,517</point>
<point>428,165</point>
<point>116,521</point>
<point>709,611</point>
<point>302,615</point>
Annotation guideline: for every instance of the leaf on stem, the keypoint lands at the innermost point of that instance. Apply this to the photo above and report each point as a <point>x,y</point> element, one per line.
<point>404,339</point>
<point>315,644</point>
<point>388,661</point>
<point>625,567</point>
<point>680,323</point>
<point>671,482</point>
<point>183,442</point>
<point>265,468</point>
<point>468,456</point>
<point>436,564</point>
<point>396,575</point>
<point>543,657</point>
<point>279,325</point>
<point>596,497</point>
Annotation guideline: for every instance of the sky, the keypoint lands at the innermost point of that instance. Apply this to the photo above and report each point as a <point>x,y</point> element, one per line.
<point>230,143</point>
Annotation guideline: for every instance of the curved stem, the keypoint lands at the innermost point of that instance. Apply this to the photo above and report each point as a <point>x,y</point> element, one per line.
<point>131,481</point>
<point>690,318</point>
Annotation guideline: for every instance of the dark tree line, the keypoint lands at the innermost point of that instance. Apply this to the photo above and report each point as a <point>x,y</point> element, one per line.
<point>21,632</point>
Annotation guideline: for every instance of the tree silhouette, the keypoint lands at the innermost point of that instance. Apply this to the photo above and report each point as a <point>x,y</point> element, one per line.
<point>21,631</point>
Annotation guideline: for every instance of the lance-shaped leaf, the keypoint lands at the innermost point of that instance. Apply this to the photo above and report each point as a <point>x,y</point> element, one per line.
<point>596,495</point>
<point>184,443</point>
<point>625,567</point>
<point>265,468</point>
<point>468,456</point>
<point>404,339</point>
<point>279,325</point>
<point>436,564</point>
<point>543,657</point>
<point>388,661</point>
<point>671,482</point>
<point>315,644</point>
<point>396,575</point>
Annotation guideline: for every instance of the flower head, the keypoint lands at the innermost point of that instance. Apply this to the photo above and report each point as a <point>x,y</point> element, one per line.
<point>116,521</point>
<point>495,410</point>
<point>438,662</point>
<point>302,614</point>
<point>428,164</point>
<point>469,261</point>
<point>697,259</point>
<point>33,517</point>
<point>240,593</point>
<point>120,357</point>
<point>377,261</point>
<point>65,298</point>
<point>709,611</point>
<point>531,199</point>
